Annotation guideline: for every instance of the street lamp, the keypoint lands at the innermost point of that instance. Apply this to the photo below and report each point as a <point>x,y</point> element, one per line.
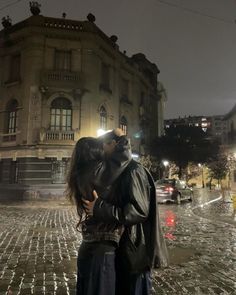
<point>166,164</point>
<point>202,166</point>
<point>135,156</point>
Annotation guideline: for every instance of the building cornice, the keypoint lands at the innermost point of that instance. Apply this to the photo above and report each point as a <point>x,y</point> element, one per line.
<point>68,29</point>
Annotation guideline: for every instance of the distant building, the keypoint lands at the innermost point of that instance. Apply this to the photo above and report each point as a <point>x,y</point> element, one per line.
<point>61,80</point>
<point>230,141</point>
<point>215,126</point>
<point>230,120</point>
<point>218,127</point>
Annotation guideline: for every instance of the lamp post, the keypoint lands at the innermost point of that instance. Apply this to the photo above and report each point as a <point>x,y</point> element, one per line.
<point>166,164</point>
<point>202,172</point>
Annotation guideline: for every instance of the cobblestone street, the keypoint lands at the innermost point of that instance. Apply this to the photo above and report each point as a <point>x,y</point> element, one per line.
<point>38,249</point>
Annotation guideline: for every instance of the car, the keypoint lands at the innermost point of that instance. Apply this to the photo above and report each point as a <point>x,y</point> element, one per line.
<point>173,190</point>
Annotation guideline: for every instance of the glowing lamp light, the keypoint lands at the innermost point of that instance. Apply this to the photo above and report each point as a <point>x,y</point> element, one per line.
<point>165,163</point>
<point>100,132</point>
<point>137,135</point>
<point>135,156</point>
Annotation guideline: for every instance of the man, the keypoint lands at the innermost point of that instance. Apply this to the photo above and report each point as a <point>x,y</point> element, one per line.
<point>132,203</point>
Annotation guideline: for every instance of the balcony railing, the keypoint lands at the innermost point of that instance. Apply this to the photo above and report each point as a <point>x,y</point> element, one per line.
<point>63,77</point>
<point>60,137</point>
<point>8,139</point>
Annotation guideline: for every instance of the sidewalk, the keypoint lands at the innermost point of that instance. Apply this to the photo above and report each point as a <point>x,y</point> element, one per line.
<point>219,210</point>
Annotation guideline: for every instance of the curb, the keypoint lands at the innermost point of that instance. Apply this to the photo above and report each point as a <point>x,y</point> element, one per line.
<point>208,219</point>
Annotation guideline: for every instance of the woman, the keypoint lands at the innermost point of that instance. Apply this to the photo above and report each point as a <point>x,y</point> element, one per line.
<point>96,257</point>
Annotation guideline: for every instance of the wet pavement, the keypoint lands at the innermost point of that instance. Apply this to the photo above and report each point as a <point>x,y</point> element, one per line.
<point>210,266</point>
<point>38,249</point>
<point>220,211</point>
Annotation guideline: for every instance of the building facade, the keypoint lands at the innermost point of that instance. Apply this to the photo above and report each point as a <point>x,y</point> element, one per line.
<point>62,80</point>
<point>215,126</point>
<point>230,143</point>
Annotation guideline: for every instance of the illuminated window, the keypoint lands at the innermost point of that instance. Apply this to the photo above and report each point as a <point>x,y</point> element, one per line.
<point>61,114</point>
<point>12,122</point>
<point>123,125</point>
<point>103,118</point>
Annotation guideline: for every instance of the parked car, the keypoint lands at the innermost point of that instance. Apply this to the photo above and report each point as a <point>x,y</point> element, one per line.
<point>173,190</point>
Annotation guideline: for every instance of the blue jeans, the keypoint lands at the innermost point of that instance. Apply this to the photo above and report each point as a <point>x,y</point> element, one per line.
<point>132,283</point>
<point>141,284</point>
<point>96,270</point>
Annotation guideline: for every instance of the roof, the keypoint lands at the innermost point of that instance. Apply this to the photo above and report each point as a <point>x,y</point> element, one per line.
<point>148,69</point>
<point>230,113</point>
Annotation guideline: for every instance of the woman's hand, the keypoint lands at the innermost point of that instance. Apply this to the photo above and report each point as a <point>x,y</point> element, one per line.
<point>88,206</point>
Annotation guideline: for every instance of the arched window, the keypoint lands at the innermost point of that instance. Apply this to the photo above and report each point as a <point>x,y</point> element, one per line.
<point>61,114</point>
<point>103,118</point>
<point>123,125</point>
<point>12,119</point>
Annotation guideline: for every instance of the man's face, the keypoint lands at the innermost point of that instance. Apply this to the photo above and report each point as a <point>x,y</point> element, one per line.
<point>109,146</point>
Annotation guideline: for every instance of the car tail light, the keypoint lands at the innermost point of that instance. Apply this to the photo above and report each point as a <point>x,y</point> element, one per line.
<point>169,189</point>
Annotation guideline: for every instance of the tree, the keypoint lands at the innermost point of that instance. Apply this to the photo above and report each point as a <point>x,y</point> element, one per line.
<point>151,164</point>
<point>219,167</point>
<point>184,144</point>
<point>231,164</point>
<point>192,171</point>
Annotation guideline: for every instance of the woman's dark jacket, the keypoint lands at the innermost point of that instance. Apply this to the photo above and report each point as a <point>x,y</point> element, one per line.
<point>133,203</point>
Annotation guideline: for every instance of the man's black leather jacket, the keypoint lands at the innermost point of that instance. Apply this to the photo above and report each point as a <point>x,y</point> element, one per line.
<point>133,203</point>
<point>102,178</point>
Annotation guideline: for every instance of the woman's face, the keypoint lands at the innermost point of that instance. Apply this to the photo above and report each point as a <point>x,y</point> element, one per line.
<point>109,146</point>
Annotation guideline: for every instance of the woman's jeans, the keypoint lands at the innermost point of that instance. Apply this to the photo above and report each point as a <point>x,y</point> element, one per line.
<point>96,269</point>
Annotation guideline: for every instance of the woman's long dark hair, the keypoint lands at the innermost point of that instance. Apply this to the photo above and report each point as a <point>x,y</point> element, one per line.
<point>88,152</point>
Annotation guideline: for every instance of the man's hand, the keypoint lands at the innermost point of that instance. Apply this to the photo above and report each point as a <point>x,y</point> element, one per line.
<point>88,206</point>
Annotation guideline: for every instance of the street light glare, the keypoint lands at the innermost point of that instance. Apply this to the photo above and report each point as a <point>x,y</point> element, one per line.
<point>135,156</point>
<point>165,163</point>
<point>100,132</point>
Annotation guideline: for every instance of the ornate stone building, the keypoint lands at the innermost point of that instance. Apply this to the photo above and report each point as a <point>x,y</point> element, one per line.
<point>60,80</point>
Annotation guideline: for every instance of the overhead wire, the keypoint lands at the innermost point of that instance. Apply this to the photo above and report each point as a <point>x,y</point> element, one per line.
<point>10,4</point>
<point>178,6</point>
<point>197,12</point>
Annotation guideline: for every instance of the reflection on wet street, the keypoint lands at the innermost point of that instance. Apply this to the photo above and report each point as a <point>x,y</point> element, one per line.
<point>202,249</point>
<point>38,248</point>
<point>170,224</point>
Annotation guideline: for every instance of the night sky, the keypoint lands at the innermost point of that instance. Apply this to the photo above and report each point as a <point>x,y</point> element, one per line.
<point>193,46</point>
